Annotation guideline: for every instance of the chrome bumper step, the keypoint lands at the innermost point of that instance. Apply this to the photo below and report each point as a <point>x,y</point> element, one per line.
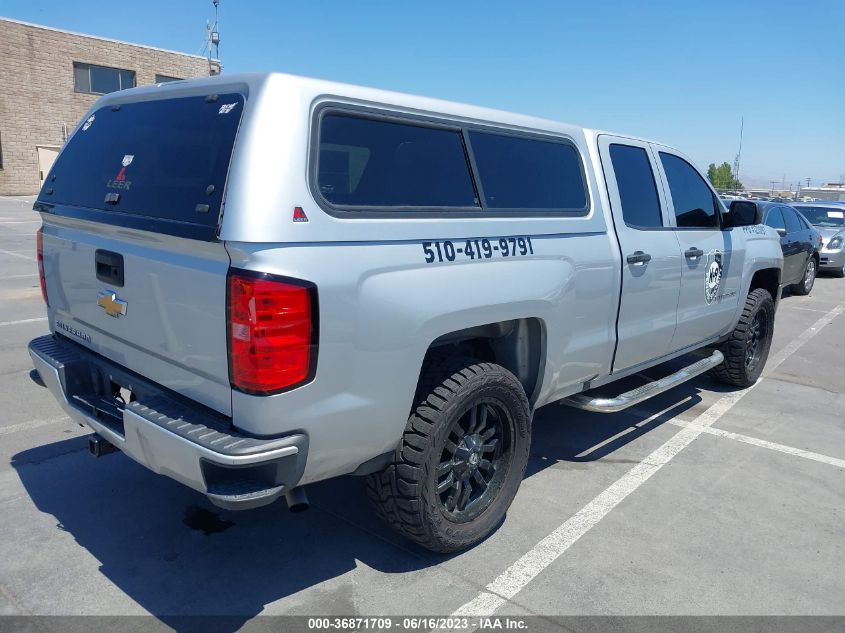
<point>635,396</point>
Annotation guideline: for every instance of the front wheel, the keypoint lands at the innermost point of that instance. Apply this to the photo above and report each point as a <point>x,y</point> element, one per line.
<point>747,349</point>
<point>461,459</point>
<point>804,286</point>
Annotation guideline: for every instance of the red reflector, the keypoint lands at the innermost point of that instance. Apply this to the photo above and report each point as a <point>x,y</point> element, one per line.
<point>39,241</point>
<point>270,333</point>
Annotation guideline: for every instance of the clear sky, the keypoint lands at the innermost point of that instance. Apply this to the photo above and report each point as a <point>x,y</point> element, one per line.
<point>681,72</point>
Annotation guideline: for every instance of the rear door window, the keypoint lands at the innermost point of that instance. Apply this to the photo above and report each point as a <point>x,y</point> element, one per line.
<point>635,182</point>
<point>376,163</point>
<point>164,160</point>
<point>774,219</point>
<point>793,224</point>
<point>533,174</point>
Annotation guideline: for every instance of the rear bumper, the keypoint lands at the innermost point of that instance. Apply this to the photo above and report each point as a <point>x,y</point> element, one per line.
<point>168,435</point>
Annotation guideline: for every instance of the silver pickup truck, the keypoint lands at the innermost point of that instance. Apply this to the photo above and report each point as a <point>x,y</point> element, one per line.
<point>256,282</point>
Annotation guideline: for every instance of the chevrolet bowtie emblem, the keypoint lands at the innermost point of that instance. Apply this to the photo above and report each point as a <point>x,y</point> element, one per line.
<point>109,302</point>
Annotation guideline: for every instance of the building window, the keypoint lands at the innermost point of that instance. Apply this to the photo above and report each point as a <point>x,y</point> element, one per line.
<point>101,79</point>
<point>163,79</point>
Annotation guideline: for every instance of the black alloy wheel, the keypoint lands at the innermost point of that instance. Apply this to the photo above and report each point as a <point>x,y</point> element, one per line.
<point>475,457</point>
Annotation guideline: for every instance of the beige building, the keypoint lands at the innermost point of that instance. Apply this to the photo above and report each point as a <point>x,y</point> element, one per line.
<point>832,191</point>
<point>49,78</point>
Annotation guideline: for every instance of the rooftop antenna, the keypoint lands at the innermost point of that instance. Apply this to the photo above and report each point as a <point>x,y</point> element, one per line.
<point>739,153</point>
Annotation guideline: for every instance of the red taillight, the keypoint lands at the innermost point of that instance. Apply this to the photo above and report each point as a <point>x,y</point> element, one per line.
<point>272,332</point>
<point>39,240</point>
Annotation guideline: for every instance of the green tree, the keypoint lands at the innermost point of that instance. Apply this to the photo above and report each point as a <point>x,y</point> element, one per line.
<point>722,177</point>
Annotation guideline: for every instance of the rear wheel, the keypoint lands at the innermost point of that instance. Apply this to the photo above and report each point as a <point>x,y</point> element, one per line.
<point>461,459</point>
<point>804,286</point>
<point>747,349</point>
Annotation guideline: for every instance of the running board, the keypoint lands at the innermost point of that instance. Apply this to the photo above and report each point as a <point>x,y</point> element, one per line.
<point>635,396</point>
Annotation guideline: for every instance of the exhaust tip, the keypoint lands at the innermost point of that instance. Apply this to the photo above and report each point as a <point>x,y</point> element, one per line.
<point>297,500</point>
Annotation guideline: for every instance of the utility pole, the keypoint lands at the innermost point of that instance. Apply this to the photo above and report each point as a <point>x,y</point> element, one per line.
<point>739,153</point>
<point>773,183</point>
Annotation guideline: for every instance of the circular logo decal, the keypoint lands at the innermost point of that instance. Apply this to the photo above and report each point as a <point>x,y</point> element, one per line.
<point>712,277</point>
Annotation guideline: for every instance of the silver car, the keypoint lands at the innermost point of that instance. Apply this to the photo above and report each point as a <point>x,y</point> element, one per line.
<point>829,219</point>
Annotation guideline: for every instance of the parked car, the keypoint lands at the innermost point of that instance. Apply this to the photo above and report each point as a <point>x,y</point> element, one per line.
<point>829,219</point>
<point>799,241</point>
<point>257,282</point>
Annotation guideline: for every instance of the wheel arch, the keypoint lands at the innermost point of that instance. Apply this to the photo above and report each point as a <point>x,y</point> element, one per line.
<point>768,279</point>
<point>518,345</point>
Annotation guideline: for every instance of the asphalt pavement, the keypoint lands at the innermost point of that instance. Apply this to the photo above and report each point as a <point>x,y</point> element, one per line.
<point>703,501</point>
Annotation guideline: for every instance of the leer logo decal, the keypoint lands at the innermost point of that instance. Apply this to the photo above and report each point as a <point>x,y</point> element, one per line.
<point>88,123</point>
<point>109,302</point>
<point>120,181</point>
<point>712,276</point>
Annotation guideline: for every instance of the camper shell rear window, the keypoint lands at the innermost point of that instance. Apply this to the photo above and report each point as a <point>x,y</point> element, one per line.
<point>157,165</point>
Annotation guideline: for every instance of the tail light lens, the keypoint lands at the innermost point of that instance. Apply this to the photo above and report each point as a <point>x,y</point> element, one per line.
<point>39,241</point>
<point>272,332</point>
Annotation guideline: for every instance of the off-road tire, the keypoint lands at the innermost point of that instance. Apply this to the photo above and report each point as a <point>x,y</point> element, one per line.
<point>404,494</point>
<point>801,288</point>
<point>734,370</point>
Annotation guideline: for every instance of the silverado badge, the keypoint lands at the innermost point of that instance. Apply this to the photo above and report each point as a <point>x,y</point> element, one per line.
<point>109,302</point>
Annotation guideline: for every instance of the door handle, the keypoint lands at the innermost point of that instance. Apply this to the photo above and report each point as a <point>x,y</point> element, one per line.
<point>693,253</point>
<point>109,267</point>
<point>638,257</point>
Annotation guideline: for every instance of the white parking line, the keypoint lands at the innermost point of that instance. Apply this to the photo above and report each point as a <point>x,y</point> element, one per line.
<point>774,446</point>
<point>529,566</point>
<point>21,321</point>
<point>32,424</point>
<point>20,221</point>
<point>14,254</point>
<point>806,309</point>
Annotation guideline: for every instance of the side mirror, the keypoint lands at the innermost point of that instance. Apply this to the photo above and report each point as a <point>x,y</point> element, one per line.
<point>743,213</point>
<point>781,231</point>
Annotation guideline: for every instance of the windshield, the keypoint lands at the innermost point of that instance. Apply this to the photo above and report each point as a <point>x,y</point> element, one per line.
<point>824,216</point>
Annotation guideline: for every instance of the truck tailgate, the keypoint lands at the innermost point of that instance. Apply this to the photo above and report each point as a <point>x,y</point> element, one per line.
<point>167,321</point>
<point>132,263</point>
